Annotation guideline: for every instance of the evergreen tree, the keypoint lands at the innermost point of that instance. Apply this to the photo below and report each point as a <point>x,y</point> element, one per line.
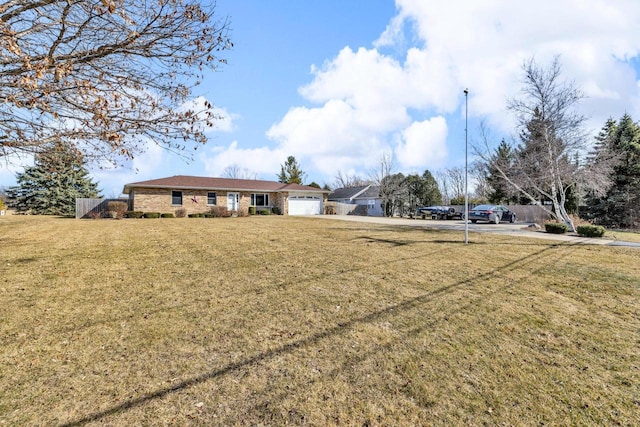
<point>291,172</point>
<point>52,184</point>
<point>407,193</point>
<point>430,192</point>
<point>500,192</point>
<point>397,195</point>
<point>620,206</point>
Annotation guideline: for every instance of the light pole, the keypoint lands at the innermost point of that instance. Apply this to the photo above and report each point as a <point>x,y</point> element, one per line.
<point>466,167</point>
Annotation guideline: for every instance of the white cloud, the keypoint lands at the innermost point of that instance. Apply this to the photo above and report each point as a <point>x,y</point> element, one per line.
<point>482,45</point>
<point>423,144</point>
<point>402,93</point>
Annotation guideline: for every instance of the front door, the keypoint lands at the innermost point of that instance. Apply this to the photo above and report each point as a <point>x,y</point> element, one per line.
<point>233,200</point>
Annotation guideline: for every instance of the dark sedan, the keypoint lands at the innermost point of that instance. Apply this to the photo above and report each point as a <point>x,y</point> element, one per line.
<point>491,213</point>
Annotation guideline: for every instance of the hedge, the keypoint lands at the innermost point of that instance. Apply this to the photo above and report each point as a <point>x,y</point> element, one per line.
<point>133,214</point>
<point>590,230</point>
<point>556,227</point>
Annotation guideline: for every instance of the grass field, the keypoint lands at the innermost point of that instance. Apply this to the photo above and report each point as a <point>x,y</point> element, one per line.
<point>281,320</point>
<point>624,236</point>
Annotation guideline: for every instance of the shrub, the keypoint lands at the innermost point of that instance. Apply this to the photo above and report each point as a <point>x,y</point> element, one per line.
<point>243,212</point>
<point>220,211</point>
<point>167,215</point>
<point>95,214</point>
<point>151,215</point>
<point>265,212</point>
<point>116,209</point>
<point>276,210</point>
<point>252,210</point>
<point>197,215</point>
<point>556,227</point>
<point>133,214</point>
<point>590,230</point>
<point>181,213</point>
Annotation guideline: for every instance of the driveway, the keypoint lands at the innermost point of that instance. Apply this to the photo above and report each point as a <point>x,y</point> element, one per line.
<point>517,229</point>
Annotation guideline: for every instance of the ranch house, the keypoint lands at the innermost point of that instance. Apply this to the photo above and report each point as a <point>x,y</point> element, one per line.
<point>199,194</point>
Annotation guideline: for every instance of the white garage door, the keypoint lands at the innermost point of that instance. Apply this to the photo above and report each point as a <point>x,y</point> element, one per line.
<point>305,205</point>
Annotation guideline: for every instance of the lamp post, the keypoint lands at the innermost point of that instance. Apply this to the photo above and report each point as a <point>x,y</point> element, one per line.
<point>466,167</point>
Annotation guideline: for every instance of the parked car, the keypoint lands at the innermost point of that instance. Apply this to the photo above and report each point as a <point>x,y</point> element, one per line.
<point>439,212</point>
<point>491,213</point>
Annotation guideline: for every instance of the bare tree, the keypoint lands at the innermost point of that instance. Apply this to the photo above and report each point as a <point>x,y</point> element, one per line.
<point>379,176</point>
<point>443,185</point>
<point>551,133</point>
<point>236,172</point>
<point>453,179</point>
<point>478,172</point>
<point>106,76</point>
<point>349,181</point>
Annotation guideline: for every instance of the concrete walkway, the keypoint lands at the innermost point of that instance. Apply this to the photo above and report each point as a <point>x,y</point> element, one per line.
<point>517,229</point>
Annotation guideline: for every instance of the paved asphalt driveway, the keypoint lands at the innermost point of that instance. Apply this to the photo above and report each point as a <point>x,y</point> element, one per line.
<point>517,229</point>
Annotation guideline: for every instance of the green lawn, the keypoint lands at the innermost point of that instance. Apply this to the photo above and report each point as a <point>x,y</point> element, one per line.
<point>280,320</point>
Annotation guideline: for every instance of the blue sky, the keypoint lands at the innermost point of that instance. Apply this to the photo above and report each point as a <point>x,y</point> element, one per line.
<point>338,83</point>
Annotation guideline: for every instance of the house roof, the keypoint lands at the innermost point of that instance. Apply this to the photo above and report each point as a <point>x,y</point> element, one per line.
<point>361,192</point>
<point>373,192</point>
<point>207,183</point>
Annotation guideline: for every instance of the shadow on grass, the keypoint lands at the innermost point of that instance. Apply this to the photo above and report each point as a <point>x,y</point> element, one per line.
<point>504,243</point>
<point>388,241</point>
<point>339,329</point>
<point>253,291</point>
<point>262,408</point>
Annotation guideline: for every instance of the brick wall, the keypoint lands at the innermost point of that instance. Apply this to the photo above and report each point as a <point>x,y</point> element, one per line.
<point>193,201</point>
<point>159,200</point>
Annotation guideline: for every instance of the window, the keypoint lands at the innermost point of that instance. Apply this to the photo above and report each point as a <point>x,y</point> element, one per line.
<point>176,198</point>
<point>259,200</point>
<point>212,199</point>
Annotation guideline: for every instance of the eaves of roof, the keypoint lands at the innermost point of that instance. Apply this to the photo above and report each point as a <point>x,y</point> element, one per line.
<point>185,182</point>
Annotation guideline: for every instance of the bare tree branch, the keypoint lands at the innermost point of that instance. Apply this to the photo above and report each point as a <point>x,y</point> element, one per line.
<point>106,76</point>
<point>236,172</point>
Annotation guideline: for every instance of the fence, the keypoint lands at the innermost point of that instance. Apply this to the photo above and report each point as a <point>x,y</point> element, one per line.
<point>338,208</point>
<point>524,213</point>
<point>93,208</point>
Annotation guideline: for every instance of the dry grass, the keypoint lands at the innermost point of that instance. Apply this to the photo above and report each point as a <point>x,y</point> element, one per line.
<point>624,236</point>
<point>277,320</point>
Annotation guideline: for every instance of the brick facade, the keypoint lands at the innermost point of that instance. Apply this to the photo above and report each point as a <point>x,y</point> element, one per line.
<point>193,201</point>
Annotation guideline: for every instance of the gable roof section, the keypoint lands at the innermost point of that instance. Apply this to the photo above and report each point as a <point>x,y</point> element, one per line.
<point>372,192</point>
<point>185,182</point>
<point>351,193</point>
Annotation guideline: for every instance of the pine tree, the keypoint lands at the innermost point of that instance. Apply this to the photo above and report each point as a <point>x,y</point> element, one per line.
<point>431,193</point>
<point>290,172</point>
<point>621,204</point>
<point>501,191</point>
<point>52,184</point>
